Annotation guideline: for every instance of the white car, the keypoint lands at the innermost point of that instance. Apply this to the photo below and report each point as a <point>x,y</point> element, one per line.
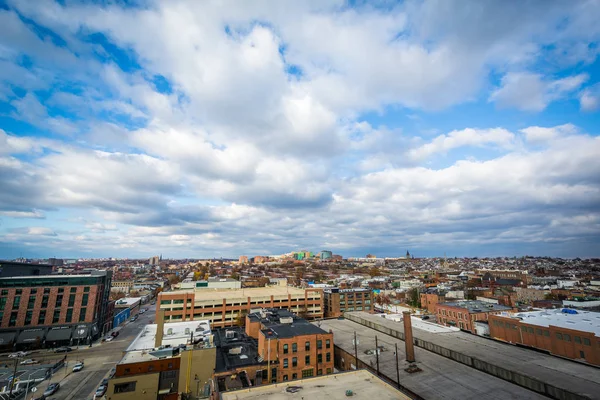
<point>78,367</point>
<point>28,362</point>
<point>19,354</point>
<point>109,339</point>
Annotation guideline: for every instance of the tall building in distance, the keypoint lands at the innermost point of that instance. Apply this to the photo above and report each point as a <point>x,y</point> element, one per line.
<point>49,310</point>
<point>243,260</point>
<point>326,255</point>
<point>155,260</point>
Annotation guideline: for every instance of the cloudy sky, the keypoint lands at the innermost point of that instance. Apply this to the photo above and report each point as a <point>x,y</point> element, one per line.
<point>216,128</point>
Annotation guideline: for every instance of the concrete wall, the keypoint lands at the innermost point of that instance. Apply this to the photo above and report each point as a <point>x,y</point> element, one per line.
<point>146,387</point>
<point>544,388</point>
<point>196,369</point>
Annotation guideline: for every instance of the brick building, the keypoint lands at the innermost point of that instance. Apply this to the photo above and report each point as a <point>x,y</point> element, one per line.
<point>294,347</point>
<point>464,314</point>
<point>562,332</point>
<point>430,300</point>
<point>337,301</point>
<point>51,310</point>
<point>225,307</point>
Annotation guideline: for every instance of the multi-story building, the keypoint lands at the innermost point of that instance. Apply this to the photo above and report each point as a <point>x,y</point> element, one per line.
<point>293,347</point>
<point>430,300</point>
<point>326,255</point>
<point>565,332</point>
<point>337,301</point>
<point>49,310</point>
<point>11,269</point>
<point>243,260</point>
<point>226,307</point>
<point>464,314</point>
<point>122,286</point>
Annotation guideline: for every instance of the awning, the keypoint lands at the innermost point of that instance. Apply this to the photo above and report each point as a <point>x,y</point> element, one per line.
<point>55,334</point>
<point>81,332</point>
<point>7,337</point>
<point>31,335</point>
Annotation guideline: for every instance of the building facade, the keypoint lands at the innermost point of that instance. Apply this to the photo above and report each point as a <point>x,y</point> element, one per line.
<point>10,269</point>
<point>51,310</point>
<point>225,308</point>
<point>567,333</point>
<point>337,301</point>
<point>464,314</point>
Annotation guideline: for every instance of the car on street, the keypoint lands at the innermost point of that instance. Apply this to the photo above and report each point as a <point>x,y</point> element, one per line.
<point>78,367</point>
<point>114,334</point>
<point>52,388</point>
<point>100,391</point>
<point>104,382</point>
<point>28,361</point>
<point>425,317</point>
<point>19,354</point>
<point>64,349</point>
<point>109,338</point>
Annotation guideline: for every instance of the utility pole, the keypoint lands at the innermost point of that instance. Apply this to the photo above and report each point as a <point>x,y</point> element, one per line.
<point>355,351</point>
<point>397,367</point>
<point>14,377</point>
<point>377,354</point>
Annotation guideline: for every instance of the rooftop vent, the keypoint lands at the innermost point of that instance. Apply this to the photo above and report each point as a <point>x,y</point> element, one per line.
<point>286,320</point>
<point>229,334</point>
<point>236,350</point>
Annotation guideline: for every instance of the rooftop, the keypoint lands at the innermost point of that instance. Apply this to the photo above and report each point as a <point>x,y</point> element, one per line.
<point>127,301</point>
<point>283,324</point>
<point>235,349</point>
<point>363,384</point>
<point>476,306</point>
<point>585,321</point>
<point>175,334</point>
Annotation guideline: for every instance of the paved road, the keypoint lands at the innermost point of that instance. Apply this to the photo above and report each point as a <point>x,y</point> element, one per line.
<point>98,360</point>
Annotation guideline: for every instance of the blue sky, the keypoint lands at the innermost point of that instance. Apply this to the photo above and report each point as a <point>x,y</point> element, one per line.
<point>198,129</point>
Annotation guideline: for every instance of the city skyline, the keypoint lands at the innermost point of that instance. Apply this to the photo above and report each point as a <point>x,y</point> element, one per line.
<point>201,130</point>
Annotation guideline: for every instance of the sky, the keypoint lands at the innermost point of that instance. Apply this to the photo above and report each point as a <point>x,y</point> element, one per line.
<point>225,128</point>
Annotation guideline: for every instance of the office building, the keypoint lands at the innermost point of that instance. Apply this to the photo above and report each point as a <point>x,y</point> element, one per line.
<point>326,255</point>
<point>293,347</point>
<point>563,332</point>
<point>464,314</point>
<point>337,301</point>
<point>52,310</point>
<point>226,307</point>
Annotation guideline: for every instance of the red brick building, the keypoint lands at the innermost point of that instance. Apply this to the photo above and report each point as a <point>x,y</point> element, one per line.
<point>464,314</point>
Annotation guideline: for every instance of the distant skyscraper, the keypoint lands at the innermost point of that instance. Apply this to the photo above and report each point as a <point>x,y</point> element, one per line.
<point>154,260</point>
<point>326,255</point>
<point>243,260</point>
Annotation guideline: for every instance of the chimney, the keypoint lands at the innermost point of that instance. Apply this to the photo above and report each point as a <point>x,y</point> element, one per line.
<point>408,337</point>
<point>160,328</point>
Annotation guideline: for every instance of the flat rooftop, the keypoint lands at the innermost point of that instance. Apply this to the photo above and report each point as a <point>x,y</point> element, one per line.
<point>175,334</point>
<point>565,374</point>
<point>476,306</point>
<point>364,386</point>
<point>219,294</point>
<point>585,321</point>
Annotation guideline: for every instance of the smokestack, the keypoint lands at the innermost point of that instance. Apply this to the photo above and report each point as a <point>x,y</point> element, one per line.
<point>408,337</point>
<point>160,329</point>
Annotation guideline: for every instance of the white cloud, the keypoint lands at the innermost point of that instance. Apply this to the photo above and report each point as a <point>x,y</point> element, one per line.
<point>530,92</point>
<point>538,134</point>
<point>590,98</point>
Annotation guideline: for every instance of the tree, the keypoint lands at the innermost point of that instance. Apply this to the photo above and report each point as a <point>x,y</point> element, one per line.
<point>413,297</point>
<point>374,272</point>
<point>196,276</point>
<point>116,295</point>
<point>240,320</point>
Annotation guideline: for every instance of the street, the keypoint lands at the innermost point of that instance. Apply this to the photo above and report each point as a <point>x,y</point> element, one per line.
<point>98,360</point>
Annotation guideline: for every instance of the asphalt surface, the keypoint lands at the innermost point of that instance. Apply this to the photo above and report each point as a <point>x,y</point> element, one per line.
<point>98,360</point>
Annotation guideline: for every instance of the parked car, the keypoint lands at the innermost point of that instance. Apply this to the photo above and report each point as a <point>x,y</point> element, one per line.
<point>19,354</point>
<point>109,338</point>
<point>100,391</point>
<point>63,349</point>
<point>115,334</point>
<point>78,367</point>
<point>425,317</point>
<point>104,382</point>
<point>28,361</point>
<point>52,388</point>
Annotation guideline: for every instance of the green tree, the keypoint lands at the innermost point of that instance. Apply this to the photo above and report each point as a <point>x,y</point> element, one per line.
<point>413,297</point>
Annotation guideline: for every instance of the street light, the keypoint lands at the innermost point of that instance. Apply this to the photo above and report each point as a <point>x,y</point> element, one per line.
<point>27,387</point>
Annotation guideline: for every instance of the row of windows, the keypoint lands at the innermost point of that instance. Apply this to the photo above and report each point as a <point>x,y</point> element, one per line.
<point>567,338</point>
<point>44,304</point>
<point>80,281</point>
<point>306,346</point>
<point>307,373</point>
<point>42,317</point>
<point>543,332</point>
<point>307,360</point>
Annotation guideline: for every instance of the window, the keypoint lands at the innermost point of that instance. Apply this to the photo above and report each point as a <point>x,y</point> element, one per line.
<point>73,289</point>
<point>529,329</point>
<point>69,315</point>
<point>328,357</point>
<point>82,313</point>
<point>285,363</point>
<point>285,349</point>
<point>19,291</point>
<point>307,346</point>
<point>47,290</point>
<point>32,291</point>
<point>319,344</point>
<point>2,303</point>
<point>559,336</point>
<point>86,289</point>
<point>581,354</point>
<point>177,301</point>
<point>328,370</point>
<point>306,360</point>
<point>44,301</point>
<point>4,292</point>
<point>56,316</point>
<point>538,331</point>
<point>586,341</point>
<point>294,376</point>
<point>319,372</point>
<point>319,358</point>
<point>84,299</point>
<point>567,337</point>
<point>524,329</point>
<point>327,343</point>
<point>28,317</point>
<point>295,362</point>
<point>125,387</point>
<point>577,339</point>
<point>16,301</point>
<point>71,300</point>
<point>42,317</point>
<point>58,303</point>
<point>547,333</point>
<point>165,302</point>
<point>285,377</point>
<point>13,318</point>
<point>307,373</point>
<point>61,290</point>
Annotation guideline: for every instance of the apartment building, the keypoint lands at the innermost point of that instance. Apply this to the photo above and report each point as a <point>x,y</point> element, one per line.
<point>293,347</point>
<point>52,310</point>
<point>336,301</point>
<point>224,307</point>
<point>464,314</point>
<point>563,332</point>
